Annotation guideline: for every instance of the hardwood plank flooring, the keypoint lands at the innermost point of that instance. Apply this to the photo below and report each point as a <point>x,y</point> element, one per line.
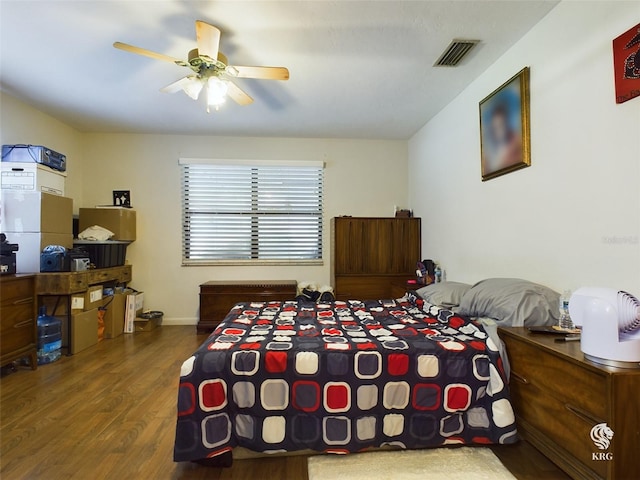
<point>109,413</point>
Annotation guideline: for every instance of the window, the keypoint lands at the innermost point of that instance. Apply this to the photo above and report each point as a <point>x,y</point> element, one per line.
<point>240,211</point>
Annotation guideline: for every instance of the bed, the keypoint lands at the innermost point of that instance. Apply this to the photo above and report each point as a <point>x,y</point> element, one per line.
<point>342,377</point>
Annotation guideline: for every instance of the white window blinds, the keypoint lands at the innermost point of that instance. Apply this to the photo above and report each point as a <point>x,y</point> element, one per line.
<point>239,211</point>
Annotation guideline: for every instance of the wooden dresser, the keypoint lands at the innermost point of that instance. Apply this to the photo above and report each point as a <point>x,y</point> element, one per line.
<point>18,319</point>
<point>218,297</point>
<point>371,255</point>
<point>558,397</point>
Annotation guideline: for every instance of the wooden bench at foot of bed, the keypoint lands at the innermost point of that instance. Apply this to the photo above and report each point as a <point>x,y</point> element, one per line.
<point>218,297</point>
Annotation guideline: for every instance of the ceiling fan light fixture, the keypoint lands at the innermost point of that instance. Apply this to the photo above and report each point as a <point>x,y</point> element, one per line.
<point>210,69</point>
<point>193,88</point>
<point>216,92</point>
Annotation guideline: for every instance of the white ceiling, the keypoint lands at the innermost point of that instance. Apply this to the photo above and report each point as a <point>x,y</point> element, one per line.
<point>359,69</point>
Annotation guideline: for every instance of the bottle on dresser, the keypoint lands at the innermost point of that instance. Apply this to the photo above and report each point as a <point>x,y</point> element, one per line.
<point>564,321</point>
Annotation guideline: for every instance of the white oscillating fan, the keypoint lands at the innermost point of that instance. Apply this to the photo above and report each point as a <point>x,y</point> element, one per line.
<point>610,321</point>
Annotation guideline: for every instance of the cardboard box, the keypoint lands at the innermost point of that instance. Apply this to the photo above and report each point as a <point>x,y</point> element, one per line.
<point>121,221</point>
<point>35,212</point>
<point>93,297</point>
<point>146,324</point>
<point>31,177</point>
<point>31,244</point>
<point>114,316</point>
<point>84,330</point>
<point>133,308</point>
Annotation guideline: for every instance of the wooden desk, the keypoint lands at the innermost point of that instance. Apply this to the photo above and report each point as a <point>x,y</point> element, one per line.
<point>218,297</point>
<point>68,283</point>
<point>62,285</point>
<point>559,396</point>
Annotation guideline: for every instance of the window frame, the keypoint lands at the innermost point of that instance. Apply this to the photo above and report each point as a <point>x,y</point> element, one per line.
<point>188,262</point>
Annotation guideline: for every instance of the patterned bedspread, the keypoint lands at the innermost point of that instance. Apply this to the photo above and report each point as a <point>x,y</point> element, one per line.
<point>341,377</point>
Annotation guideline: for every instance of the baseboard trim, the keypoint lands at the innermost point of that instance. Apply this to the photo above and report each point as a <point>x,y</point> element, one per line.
<point>179,321</point>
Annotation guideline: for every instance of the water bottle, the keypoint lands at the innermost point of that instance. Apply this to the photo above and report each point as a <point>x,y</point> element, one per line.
<point>565,322</point>
<point>49,337</point>
<point>438,274</point>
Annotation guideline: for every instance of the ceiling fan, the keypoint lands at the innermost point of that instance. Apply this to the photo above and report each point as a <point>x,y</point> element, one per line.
<point>211,69</point>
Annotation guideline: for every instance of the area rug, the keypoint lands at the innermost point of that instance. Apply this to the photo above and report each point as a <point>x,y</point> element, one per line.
<point>434,464</point>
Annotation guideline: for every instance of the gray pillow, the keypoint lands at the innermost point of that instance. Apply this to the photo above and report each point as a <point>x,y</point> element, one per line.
<point>444,294</point>
<point>511,302</point>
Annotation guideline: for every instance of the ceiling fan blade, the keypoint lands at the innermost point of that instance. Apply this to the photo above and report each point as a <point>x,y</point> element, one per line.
<point>265,73</point>
<point>238,95</point>
<point>208,39</point>
<point>147,53</point>
<point>177,85</point>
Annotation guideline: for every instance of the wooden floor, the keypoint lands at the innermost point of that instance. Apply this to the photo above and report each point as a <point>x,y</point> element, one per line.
<point>109,413</point>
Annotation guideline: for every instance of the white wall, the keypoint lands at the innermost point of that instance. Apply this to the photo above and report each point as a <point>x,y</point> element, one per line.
<point>362,178</point>
<point>573,217</point>
<point>23,124</point>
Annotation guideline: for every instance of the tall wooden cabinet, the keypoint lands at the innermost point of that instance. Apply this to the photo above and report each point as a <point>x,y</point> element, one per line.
<point>369,255</point>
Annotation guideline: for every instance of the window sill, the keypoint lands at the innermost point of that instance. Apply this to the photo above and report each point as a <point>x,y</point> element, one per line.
<point>251,263</point>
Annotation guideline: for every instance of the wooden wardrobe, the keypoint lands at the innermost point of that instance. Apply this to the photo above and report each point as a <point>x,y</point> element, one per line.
<point>370,255</point>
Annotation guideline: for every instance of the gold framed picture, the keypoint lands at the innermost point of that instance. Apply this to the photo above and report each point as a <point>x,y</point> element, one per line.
<point>504,128</point>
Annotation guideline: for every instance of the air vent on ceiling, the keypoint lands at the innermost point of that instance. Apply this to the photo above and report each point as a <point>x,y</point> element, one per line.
<point>455,52</point>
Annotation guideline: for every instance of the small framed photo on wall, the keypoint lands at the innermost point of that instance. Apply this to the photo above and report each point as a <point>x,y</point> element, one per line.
<point>122,198</point>
<point>504,127</point>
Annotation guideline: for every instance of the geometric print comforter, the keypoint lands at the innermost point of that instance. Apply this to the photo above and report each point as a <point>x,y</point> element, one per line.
<point>342,377</point>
